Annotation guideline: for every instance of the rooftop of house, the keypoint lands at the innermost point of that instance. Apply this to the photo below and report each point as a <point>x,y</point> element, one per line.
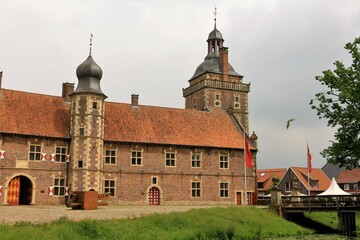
<point>316,174</point>
<point>349,176</point>
<point>265,176</point>
<point>49,116</point>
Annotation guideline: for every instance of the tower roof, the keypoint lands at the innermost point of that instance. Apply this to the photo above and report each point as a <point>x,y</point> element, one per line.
<point>215,34</point>
<point>89,75</point>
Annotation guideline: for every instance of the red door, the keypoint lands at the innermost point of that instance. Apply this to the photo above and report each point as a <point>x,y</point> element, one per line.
<point>249,198</point>
<point>14,191</point>
<point>154,196</point>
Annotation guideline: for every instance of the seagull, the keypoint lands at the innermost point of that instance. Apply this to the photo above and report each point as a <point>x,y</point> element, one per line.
<point>288,122</point>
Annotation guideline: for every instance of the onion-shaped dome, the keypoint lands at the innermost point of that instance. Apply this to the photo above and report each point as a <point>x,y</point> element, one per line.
<point>215,34</point>
<point>89,75</point>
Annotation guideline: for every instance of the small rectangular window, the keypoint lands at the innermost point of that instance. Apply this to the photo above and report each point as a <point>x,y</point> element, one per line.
<point>346,187</point>
<point>109,187</point>
<point>154,180</point>
<point>82,131</point>
<point>136,157</point>
<point>224,161</point>
<point>224,189</point>
<point>287,187</point>
<point>170,159</point>
<point>35,152</point>
<point>196,189</point>
<point>94,105</point>
<point>80,164</point>
<point>196,160</point>
<point>110,156</point>
<point>60,154</point>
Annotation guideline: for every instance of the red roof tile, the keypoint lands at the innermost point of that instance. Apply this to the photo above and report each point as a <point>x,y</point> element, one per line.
<point>265,176</point>
<point>33,114</point>
<point>148,124</point>
<point>349,176</point>
<point>49,116</point>
<point>316,174</point>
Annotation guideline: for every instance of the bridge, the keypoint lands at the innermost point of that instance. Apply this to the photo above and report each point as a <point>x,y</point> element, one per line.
<point>345,206</point>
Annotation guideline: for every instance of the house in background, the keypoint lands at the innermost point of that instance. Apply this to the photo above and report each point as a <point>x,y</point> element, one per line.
<point>332,170</point>
<point>318,181</point>
<point>349,180</point>
<point>264,179</point>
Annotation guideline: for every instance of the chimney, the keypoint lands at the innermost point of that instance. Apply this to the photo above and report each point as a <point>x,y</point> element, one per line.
<point>1,73</point>
<point>224,62</point>
<point>67,89</point>
<point>135,99</point>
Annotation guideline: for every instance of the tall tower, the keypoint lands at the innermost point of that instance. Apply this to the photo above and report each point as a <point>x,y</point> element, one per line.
<point>87,127</point>
<point>215,83</point>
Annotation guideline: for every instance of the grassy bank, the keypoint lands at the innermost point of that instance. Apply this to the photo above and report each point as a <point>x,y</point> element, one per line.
<point>330,219</point>
<point>212,223</point>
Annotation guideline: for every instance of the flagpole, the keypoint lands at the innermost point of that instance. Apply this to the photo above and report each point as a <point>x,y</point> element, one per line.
<point>245,193</point>
<point>307,160</point>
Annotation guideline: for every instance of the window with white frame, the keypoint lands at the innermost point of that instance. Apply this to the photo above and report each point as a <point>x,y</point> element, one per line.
<point>195,160</point>
<point>346,186</point>
<point>109,186</point>
<point>196,189</point>
<point>59,186</point>
<point>224,161</point>
<point>287,186</point>
<point>110,156</point>
<point>170,159</point>
<point>60,154</point>
<point>224,189</point>
<point>35,152</point>
<point>136,157</point>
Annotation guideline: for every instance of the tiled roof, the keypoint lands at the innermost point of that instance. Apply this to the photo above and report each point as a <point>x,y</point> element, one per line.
<point>265,176</point>
<point>33,114</point>
<point>316,174</point>
<point>149,124</point>
<point>349,176</point>
<point>49,116</point>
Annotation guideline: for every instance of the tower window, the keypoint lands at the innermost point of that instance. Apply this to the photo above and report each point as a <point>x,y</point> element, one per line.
<point>154,180</point>
<point>80,164</point>
<point>94,105</point>
<point>82,131</point>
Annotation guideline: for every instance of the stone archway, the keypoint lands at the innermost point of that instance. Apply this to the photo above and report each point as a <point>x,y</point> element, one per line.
<point>20,190</point>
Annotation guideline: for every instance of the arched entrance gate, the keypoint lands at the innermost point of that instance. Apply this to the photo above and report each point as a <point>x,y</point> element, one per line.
<point>19,191</point>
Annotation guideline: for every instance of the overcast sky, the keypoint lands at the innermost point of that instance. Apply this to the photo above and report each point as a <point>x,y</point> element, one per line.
<point>153,48</point>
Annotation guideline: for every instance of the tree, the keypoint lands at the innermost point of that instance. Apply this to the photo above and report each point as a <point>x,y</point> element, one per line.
<point>340,105</point>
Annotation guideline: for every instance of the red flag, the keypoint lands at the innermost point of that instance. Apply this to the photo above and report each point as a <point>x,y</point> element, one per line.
<point>309,158</point>
<point>248,155</point>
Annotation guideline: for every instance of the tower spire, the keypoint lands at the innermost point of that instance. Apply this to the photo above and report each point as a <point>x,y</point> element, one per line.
<point>215,13</point>
<point>91,37</point>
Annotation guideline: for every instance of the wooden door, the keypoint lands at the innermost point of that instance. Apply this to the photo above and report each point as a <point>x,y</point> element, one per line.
<point>13,191</point>
<point>154,196</point>
<point>238,198</point>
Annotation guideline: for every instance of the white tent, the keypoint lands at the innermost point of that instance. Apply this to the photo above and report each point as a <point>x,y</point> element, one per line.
<point>333,190</point>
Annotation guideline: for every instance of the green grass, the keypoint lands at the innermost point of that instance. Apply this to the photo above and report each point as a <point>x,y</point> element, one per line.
<point>211,223</point>
<point>330,219</point>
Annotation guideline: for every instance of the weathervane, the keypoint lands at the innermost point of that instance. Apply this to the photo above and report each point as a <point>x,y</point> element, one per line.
<point>91,37</point>
<point>215,12</point>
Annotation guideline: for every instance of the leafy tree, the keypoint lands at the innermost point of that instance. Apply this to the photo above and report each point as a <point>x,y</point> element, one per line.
<point>340,105</point>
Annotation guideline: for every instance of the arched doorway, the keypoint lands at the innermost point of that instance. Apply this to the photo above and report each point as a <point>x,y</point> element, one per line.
<point>19,191</point>
<point>154,196</point>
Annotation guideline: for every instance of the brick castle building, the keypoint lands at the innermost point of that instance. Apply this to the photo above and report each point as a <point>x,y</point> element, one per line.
<point>50,145</point>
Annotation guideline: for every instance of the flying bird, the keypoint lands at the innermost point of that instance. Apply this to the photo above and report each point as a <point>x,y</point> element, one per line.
<point>288,122</point>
